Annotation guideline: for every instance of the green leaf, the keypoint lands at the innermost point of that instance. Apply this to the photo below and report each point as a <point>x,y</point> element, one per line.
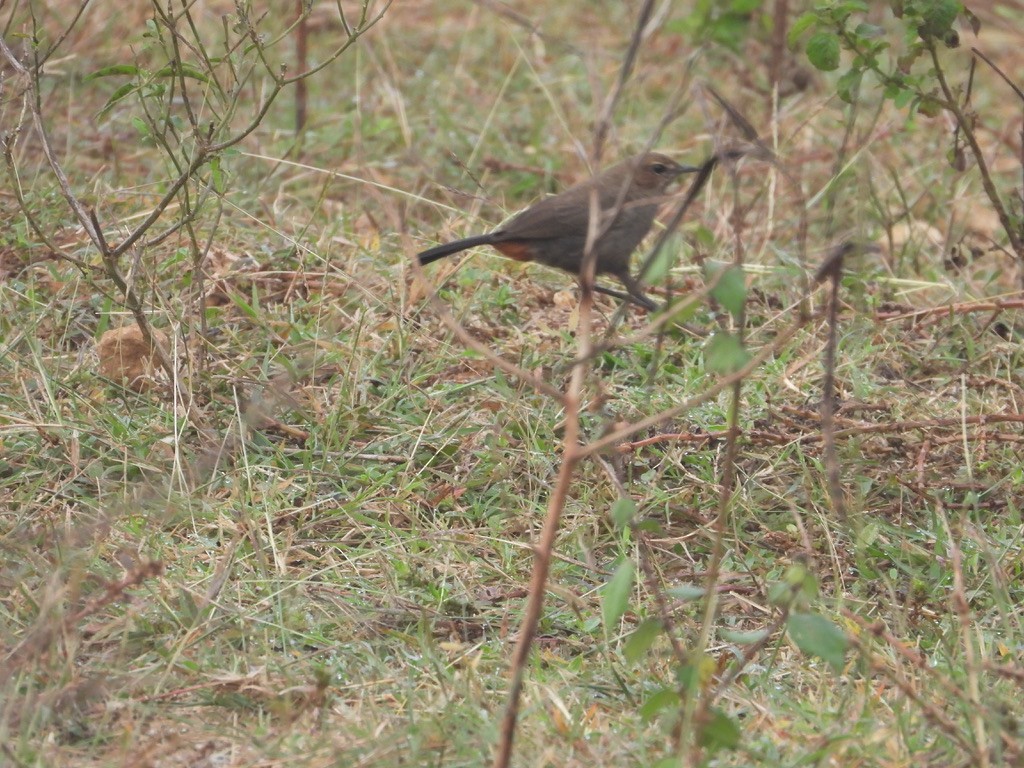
<point>731,291</point>
<point>116,69</point>
<point>664,261</point>
<point>617,591</point>
<point>704,236</point>
<point>780,593</point>
<point>848,85</point>
<point>121,93</point>
<point>141,126</point>
<point>929,107</point>
<point>641,639</point>
<point>868,535</point>
<point>903,98</point>
<point>657,701</point>
<point>798,575</point>
<point>937,17</point>
<point>823,51</point>
<point>800,26</point>
<point>817,636</point>
<point>687,592</point>
<point>187,70</point>
<point>623,511</point>
<point>742,637</point>
<point>730,30</point>
<point>745,6</point>
<point>652,527</point>
<point>245,306</point>
<point>868,30</point>
<point>720,732</point>
<point>682,310</point>
<point>216,177</point>
<point>724,354</point>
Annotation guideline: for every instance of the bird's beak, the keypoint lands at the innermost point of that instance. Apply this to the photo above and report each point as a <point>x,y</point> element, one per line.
<point>684,169</point>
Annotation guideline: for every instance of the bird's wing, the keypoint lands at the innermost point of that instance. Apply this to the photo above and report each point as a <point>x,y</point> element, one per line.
<point>563,215</point>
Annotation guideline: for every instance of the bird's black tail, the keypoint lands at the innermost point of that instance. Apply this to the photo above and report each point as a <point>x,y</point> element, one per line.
<point>447,249</point>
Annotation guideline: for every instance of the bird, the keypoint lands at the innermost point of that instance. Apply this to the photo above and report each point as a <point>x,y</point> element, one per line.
<point>553,231</point>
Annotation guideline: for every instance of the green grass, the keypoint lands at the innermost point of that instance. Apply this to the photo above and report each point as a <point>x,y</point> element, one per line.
<point>352,598</point>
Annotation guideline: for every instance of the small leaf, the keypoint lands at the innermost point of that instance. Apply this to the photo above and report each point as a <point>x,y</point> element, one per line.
<point>682,311</point>
<point>720,732</point>
<point>868,30</point>
<point>641,639</point>
<point>687,592</point>
<point>848,85</point>
<point>615,599</point>
<point>623,511</point>
<point>868,535</point>
<point>245,306</point>
<point>929,107</point>
<point>216,177</point>
<point>800,26</point>
<point>704,236</point>
<point>731,291</point>
<point>650,527</point>
<point>973,20</point>
<point>121,93</point>
<point>745,6</point>
<point>663,261</point>
<point>187,70</point>
<point>780,593</point>
<point>903,98</point>
<point>817,636</point>
<point>116,69</point>
<point>823,51</point>
<point>657,701</point>
<point>743,637</point>
<point>141,126</point>
<point>797,574</point>
<point>724,354</point>
<point>937,17</point>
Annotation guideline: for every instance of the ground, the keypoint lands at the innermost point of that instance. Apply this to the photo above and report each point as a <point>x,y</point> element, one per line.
<point>313,543</point>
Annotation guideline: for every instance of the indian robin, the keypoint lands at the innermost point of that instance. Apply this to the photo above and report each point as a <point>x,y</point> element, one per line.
<point>553,231</point>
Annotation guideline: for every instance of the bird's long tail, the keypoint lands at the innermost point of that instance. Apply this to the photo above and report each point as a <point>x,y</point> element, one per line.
<point>447,249</point>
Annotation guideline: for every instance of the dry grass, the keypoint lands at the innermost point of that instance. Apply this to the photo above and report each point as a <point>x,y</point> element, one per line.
<point>336,579</point>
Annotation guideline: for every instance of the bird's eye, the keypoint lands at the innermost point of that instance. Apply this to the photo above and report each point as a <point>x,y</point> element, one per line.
<point>659,168</point>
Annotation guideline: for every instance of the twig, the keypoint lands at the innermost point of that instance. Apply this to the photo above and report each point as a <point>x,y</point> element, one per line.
<point>1011,229</point>
<point>832,270</point>
<point>617,436</point>
<point>988,305</point>
<point>625,71</point>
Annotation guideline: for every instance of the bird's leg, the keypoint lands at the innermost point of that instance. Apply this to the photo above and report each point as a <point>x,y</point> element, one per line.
<point>613,293</point>
<point>636,293</point>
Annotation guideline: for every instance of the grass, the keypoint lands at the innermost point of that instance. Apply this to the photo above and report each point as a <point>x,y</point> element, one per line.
<point>338,577</point>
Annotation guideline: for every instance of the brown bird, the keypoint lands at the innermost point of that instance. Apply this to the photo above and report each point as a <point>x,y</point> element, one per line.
<point>553,231</point>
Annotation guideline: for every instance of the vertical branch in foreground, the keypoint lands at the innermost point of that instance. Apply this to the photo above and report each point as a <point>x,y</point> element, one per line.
<point>832,270</point>
<point>542,553</point>
<point>302,62</point>
<point>598,224</point>
<point>571,455</point>
<point>608,108</point>
<point>698,703</point>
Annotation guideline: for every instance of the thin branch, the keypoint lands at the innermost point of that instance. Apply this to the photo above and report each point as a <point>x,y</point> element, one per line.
<point>625,71</point>
<point>1012,231</point>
